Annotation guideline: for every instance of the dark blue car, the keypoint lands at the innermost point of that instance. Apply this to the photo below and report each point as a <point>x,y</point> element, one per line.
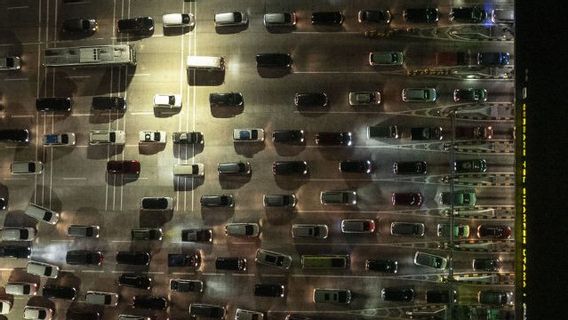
<point>493,58</point>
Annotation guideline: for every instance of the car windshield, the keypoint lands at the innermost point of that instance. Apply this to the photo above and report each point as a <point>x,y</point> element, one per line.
<point>249,230</point>
<point>185,18</point>
<point>238,16</point>
<point>172,100</point>
<point>31,167</point>
<point>47,216</point>
<point>86,24</point>
<point>64,139</point>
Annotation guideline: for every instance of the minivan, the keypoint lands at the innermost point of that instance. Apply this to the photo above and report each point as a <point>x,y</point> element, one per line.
<point>26,167</point>
<point>54,104</point>
<point>42,214</point>
<point>202,310</point>
<point>325,261</point>
<point>206,63</point>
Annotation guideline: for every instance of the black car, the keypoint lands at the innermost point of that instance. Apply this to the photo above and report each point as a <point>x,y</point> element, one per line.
<point>398,294</point>
<point>486,264</point>
<point>226,99</point>
<point>374,16</point>
<point>134,280</point>
<point>11,251</point>
<point>108,103</point>
<point>201,310</point>
<point>333,138</point>
<point>3,203</point>
<point>231,263</point>
<point>155,203</point>
<point>273,60</point>
<point>421,15</point>
<point>428,133</point>
<point>382,265</point>
<point>415,229</point>
<point>413,199</point>
<point>269,290</point>
<point>217,200</point>
<point>470,95</point>
<point>191,137</point>
<point>84,26</point>
<point>327,18</point>
<point>15,135</point>
<point>139,25</point>
<point>288,136</point>
<point>441,296</point>
<point>356,166</point>
<point>493,58</point>
<point>197,235</point>
<point>84,257</point>
<point>149,302</point>
<point>290,168</point>
<point>468,14</point>
<point>182,285</point>
<point>83,315</point>
<point>59,292</point>
<point>184,260</point>
<point>473,165</point>
<point>310,99</point>
<point>139,258</point>
<point>410,167</point>
<point>54,104</point>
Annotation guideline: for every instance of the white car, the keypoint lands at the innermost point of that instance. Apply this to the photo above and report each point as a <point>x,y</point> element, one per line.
<point>248,135</point>
<point>229,19</point>
<point>242,229</point>
<point>107,137</point>
<point>17,234</point>
<point>273,259</point>
<point>5,306</point>
<point>188,169</point>
<point>21,288</point>
<point>26,167</point>
<point>242,314</point>
<point>150,136</point>
<point>38,313</point>
<point>59,139</point>
<point>172,20</point>
<point>42,269</point>
<point>42,214</point>
<point>102,298</point>
<point>172,101</point>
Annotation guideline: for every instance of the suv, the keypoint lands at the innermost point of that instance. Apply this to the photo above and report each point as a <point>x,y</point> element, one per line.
<point>421,15</point>
<point>234,168</point>
<point>54,104</point>
<point>273,60</point>
<point>430,260</point>
<point>138,25</point>
<point>134,280</point>
<point>15,135</point>
<point>339,296</point>
<point>412,199</point>
<point>146,234</point>
<point>231,263</point>
<point>21,288</point>
<point>310,99</point>
<point>217,200</point>
<point>407,229</point>
<point>346,198</point>
<point>58,139</point>
<point>187,137</point>
<point>17,234</point>
<point>468,14</point>
<point>226,99</point>
<point>84,26</point>
<point>419,95</point>
<point>184,260</point>
<point>279,200</point>
<point>137,258</point>
<point>486,264</point>
<point>82,231</point>
<point>201,310</point>
<point>288,136</point>
<point>269,290</point>
<point>84,257</point>
<point>183,285</point>
<point>290,168</point>
<point>42,269</point>
<point>410,167</point>
<point>106,137</point>
<point>157,203</point>
<point>333,138</point>
<point>18,252</point>
<point>108,104</point>
<point>273,259</point>
<point>197,235</point>
<point>495,297</point>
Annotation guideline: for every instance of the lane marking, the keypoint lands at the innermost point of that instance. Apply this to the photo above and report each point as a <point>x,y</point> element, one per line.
<point>155,272</point>
<point>145,113</point>
<point>121,241</point>
<point>212,274</point>
<point>81,114</point>
<point>16,8</point>
<point>22,116</point>
<point>92,271</point>
<point>184,273</point>
<point>61,240</point>
<point>243,274</point>
<point>78,77</point>
<point>15,79</point>
<point>74,178</point>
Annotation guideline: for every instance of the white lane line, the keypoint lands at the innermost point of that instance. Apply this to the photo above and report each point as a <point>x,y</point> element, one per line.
<point>15,79</point>
<point>155,272</point>
<point>330,276</point>
<point>338,112</point>
<point>68,270</point>
<point>81,114</point>
<point>334,33</point>
<point>336,72</point>
<point>78,77</point>
<point>22,116</point>
<point>13,178</point>
<point>149,113</point>
<point>273,275</point>
<point>74,178</point>
<point>19,7</point>
<point>12,147</point>
<point>74,3</point>
<point>92,271</point>
<point>121,241</point>
<point>6,269</point>
<point>242,275</point>
<point>61,240</point>
<point>184,273</point>
<point>141,74</point>
<point>212,274</point>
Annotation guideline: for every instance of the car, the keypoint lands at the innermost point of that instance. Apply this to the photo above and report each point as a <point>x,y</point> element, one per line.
<point>231,263</point>
<point>61,104</point>
<point>310,99</point>
<point>202,310</point>
<point>177,20</point>
<point>356,166</point>
<point>17,234</point>
<point>215,64</point>
<point>83,231</point>
<point>183,285</point>
<point>3,203</point>
<point>242,229</point>
<point>85,26</point>
<point>279,19</point>
<point>123,167</point>
<point>288,136</point>
<point>493,59</point>
<point>269,290</point>
<point>234,168</point>
<point>137,25</point>
<point>273,60</point>
<point>84,257</point>
<point>495,297</point>
<point>188,137</point>
<point>357,226</point>
<point>420,15</point>
<point>108,104</point>
<point>101,298</point>
<point>386,58</point>
<point>294,316</point>
<point>310,231</point>
<point>217,200</point>
<point>441,296</point>
<point>242,314</point>
<point>486,264</point>
<point>279,200</point>
<point>398,294</point>
<point>10,63</point>
<point>327,18</point>
<point>382,265</point>
<point>61,139</point>
<point>419,95</point>
<point>411,199</point>
<point>248,135</point>
<point>334,138</point>
<point>410,167</point>
<point>171,101</point>
<point>87,315</point>
<point>21,288</point>
<point>364,98</point>
<point>459,198</point>
<point>286,168</point>
<point>42,269</point>
<point>26,167</point>
<point>226,99</point>
<point>157,203</point>
<point>427,133</point>
<point>184,260</point>
<point>503,16</point>
<point>132,317</point>
<point>429,260</point>
<point>197,235</point>
<point>39,313</point>
<point>134,258</point>
<point>231,19</point>
<point>473,165</point>
<point>473,14</point>
<point>325,261</point>
<point>374,16</point>
<point>59,292</point>
<point>146,234</point>
<point>106,137</point>
<point>475,133</point>
<point>337,296</point>
<point>386,132</point>
<point>134,280</point>
<point>346,198</point>
<point>407,229</point>
<point>18,252</point>
<point>494,231</point>
<point>273,259</point>
<point>15,135</point>
<point>150,136</point>
<point>470,95</point>
<point>42,214</point>
<point>460,230</point>
<point>189,169</point>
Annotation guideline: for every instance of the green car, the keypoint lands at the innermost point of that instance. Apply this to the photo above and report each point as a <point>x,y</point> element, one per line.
<point>460,198</point>
<point>474,165</point>
<point>460,230</point>
<point>386,58</point>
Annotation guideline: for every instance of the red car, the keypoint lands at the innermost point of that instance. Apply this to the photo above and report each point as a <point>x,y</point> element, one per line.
<point>494,231</point>
<point>413,199</point>
<point>123,167</point>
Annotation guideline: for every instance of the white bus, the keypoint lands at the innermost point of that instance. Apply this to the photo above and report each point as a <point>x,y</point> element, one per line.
<point>121,54</point>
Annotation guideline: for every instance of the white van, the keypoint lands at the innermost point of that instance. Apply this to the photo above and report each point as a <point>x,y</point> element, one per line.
<point>42,269</point>
<point>26,167</point>
<point>188,169</point>
<point>107,137</point>
<point>206,63</point>
<point>102,298</point>
<point>42,214</point>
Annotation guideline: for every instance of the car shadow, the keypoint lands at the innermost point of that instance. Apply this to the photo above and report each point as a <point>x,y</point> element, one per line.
<point>120,179</point>
<point>103,151</point>
<point>234,181</point>
<point>226,112</point>
<point>177,31</point>
<point>155,218</point>
<point>273,72</point>
<point>151,148</point>
<point>205,77</point>
<point>17,219</point>
<point>231,29</point>
<point>187,151</point>
<point>282,29</point>
<point>291,182</point>
<point>216,216</point>
<point>165,112</point>
<point>249,149</point>
<point>182,183</point>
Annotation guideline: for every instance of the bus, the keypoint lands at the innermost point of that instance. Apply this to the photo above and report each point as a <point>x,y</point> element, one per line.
<point>121,54</point>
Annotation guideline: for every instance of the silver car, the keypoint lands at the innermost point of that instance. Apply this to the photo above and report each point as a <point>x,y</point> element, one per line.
<point>83,231</point>
<point>419,95</point>
<point>248,135</point>
<point>346,198</point>
<point>242,314</point>
<point>42,269</point>
<point>17,234</point>
<point>231,19</point>
<point>242,229</point>
<point>310,231</point>
<point>364,98</point>
<point>101,298</point>
<point>279,200</point>
<point>10,63</point>
<point>274,259</point>
<point>430,260</point>
<point>279,19</point>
